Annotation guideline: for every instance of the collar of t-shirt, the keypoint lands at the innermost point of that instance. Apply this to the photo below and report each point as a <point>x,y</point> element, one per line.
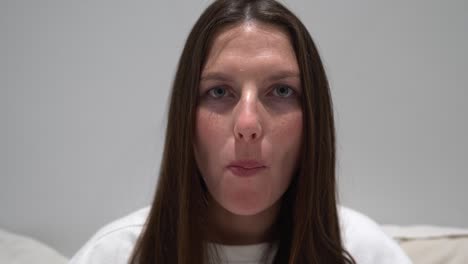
<point>245,254</point>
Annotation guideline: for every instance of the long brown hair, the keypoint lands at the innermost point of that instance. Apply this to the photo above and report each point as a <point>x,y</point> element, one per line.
<point>308,225</point>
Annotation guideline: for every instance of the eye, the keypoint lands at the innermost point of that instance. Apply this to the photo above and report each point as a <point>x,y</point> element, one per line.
<point>283,91</point>
<point>218,92</point>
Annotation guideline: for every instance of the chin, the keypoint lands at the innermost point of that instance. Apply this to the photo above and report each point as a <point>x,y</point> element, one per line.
<point>243,211</point>
<point>246,205</point>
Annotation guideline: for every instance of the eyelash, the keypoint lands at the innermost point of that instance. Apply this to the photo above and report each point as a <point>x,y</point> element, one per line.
<point>291,91</point>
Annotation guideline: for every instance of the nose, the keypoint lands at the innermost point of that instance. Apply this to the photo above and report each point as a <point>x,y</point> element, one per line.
<point>247,127</point>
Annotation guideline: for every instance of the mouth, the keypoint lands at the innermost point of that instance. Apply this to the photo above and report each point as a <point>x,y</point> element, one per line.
<point>246,168</point>
<point>243,172</point>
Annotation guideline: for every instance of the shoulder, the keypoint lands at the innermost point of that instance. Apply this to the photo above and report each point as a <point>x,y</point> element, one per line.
<point>366,241</point>
<point>114,242</point>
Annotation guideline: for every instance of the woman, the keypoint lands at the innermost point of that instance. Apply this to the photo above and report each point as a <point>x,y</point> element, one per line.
<point>248,171</point>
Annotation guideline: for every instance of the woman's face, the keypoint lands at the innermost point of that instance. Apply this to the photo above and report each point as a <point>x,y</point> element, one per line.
<point>249,117</point>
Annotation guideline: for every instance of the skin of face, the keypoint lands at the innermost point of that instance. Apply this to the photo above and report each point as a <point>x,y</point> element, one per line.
<point>249,108</point>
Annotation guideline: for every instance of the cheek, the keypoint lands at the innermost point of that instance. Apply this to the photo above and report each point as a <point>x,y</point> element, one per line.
<point>287,131</point>
<point>295,129</point>
<point>209,136</point>
<point>286,141</point>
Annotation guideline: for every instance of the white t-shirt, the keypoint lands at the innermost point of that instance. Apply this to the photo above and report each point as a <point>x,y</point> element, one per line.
<point>362,238</point>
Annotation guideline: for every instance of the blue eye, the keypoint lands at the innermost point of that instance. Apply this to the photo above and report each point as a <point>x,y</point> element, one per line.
<point>217,92</point>
<point>283,91</point>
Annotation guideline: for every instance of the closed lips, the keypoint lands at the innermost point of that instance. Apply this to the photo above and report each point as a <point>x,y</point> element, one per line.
<point>247,164</point>
<point>246,168</point>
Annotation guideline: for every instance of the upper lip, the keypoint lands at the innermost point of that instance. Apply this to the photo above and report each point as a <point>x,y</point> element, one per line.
<point>247,164</point>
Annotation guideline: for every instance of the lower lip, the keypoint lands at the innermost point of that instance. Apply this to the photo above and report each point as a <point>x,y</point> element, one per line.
<point>244,172</point>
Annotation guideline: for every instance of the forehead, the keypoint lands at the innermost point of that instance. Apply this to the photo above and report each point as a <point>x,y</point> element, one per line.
<point>251,42</point>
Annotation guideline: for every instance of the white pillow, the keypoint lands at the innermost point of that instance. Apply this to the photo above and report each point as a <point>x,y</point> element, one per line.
<point>432,244</point>
<point>16,249</point>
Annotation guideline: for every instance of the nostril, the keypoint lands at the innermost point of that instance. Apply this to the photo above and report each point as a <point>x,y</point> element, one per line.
<point>248,136</point>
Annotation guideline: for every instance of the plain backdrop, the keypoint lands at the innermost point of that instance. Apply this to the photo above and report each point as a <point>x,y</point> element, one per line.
<point>84,89</point>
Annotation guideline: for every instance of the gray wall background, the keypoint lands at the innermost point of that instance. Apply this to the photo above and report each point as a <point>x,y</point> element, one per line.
<point>84,86</point>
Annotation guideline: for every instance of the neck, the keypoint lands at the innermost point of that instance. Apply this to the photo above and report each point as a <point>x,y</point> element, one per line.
<point>231,229</point>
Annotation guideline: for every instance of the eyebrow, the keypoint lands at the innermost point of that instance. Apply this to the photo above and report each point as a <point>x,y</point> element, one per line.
<point>216,76</point>
<point>283,75</point>
<point>220,76</point>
